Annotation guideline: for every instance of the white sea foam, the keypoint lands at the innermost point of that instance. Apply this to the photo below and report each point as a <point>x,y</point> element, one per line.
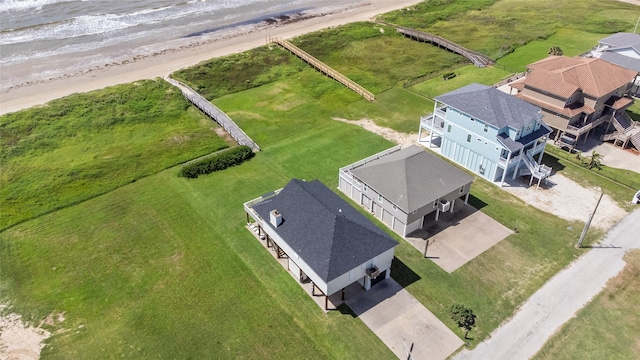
<point>106,23</point>
<point>19,5</point>
<point>74,36</point>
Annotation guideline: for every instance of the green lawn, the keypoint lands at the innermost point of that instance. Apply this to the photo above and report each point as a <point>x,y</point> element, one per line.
<point>163,267</point>
<point>74,148</point>
<point>496,28</point>
<point>572,42</point>
<point>464,76</point>
<point>608,327</point>
<point>169,258</point>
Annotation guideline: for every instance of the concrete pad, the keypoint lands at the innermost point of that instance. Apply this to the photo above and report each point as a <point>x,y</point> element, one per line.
<point>456,238</point>
<point>613,156</point>
<point>399,320</point>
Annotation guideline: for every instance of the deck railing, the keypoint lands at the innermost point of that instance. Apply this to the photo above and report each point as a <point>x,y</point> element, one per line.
<point>216,114</point>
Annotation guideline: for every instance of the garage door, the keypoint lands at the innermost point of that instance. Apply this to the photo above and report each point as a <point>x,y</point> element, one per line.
<point>366,202</point>
<point>387,218</point>
<point>345,186</point>
<point>377,210</point>
<point>398,226</point>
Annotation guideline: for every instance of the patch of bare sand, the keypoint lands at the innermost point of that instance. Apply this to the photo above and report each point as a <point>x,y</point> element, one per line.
<point>568,200</point>
<point>19,341</point>
<point>561,197</point>
<point>389,134</point>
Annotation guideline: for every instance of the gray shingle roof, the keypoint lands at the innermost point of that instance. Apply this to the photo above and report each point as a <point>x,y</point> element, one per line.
<point>327,233</point>
<point>622,40</point>
<point>621,60</point>
<point>411,177</point>
<point>512,145</point>
<point>491,106</point>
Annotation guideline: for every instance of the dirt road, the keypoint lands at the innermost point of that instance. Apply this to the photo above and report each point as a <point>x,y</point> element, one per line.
<point>558,300</point>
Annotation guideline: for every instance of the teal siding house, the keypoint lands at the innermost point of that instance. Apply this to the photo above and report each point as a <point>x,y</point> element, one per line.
<point>491,133</point>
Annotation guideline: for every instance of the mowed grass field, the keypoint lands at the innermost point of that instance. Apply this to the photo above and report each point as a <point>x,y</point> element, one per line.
<point>163,266</point>
<point>607,327</point>
<point>74,148</point>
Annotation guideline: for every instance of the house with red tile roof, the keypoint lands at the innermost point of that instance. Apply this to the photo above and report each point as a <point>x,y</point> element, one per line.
<point>578,95</point>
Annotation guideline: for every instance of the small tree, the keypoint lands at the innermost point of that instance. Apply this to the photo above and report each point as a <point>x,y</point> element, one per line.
<point>555,50</point>
<point>463,317</point>
<point>594,161</point>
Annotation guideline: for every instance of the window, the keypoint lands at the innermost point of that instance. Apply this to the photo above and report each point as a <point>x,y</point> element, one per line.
<point>449,128</point>
<point>486,128</point>
<point>469,138</point>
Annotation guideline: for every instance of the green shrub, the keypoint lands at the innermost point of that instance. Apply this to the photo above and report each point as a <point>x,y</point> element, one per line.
<point>217,162</point>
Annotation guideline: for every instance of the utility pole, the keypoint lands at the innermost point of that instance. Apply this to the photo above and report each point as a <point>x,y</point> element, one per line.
<point>588,223</point>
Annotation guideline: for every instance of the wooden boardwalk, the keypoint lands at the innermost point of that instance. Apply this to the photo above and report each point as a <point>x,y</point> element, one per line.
<point>215,114</point>
<point>475,57</point>
<point>324,68</point>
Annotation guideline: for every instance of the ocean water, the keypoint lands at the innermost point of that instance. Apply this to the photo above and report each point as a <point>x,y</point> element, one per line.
<point>41,39</point>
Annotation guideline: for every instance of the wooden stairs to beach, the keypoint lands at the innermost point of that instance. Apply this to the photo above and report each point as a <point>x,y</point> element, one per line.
<point>215,114</point>
<point>475,57</point>
<point>324,68</point>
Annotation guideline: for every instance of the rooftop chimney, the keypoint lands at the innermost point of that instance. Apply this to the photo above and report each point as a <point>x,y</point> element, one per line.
<point>275,218</point>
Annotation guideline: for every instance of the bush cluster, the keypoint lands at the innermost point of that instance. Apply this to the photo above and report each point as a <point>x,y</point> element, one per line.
<point>217,162</point>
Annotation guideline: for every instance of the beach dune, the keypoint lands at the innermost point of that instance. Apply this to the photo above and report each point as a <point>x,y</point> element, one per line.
<point>37,93</point>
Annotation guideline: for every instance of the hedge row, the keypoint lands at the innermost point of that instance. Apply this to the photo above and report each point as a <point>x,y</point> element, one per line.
<point>220,161</point>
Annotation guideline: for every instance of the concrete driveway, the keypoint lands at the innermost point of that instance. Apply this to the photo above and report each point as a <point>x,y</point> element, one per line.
<point>399,320</point>
<point>458,237</point>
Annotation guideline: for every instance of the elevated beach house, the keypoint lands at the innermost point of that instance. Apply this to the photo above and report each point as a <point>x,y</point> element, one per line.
<point>578,95</point>
<point>402,186</point>
<point>489,132</point>
<point>622,49</point>
<point>324,239</point>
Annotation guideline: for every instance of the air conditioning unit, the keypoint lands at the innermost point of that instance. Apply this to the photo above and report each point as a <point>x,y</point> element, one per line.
<point>444,205</point>
<point>373,272</point>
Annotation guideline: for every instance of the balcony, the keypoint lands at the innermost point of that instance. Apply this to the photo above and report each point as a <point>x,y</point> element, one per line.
<point>434,121</point>
<point>579,129</point>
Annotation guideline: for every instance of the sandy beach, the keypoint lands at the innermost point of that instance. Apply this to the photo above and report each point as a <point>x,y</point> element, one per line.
<point>150,67</point>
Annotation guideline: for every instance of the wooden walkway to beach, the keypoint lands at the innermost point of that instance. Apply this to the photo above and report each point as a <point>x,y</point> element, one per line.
<point>475,57</point>
<point>215,114</point>
<point>324,68</point>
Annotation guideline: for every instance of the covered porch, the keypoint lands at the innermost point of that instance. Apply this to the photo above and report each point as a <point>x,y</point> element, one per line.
<point>326,303</point>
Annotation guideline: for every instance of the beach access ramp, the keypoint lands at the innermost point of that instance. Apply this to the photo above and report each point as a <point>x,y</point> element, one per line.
<point>478,59</point>
<point>215,114</point>
<point>324,68</point>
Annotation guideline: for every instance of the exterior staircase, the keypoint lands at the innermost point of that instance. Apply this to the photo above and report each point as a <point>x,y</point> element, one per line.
<point>531,167</point>
<point>626,131</point>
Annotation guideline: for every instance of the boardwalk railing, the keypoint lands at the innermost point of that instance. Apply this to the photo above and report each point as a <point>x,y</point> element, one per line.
<point>326,69</point>
<point>216,114</point>
<point>475,57</point>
